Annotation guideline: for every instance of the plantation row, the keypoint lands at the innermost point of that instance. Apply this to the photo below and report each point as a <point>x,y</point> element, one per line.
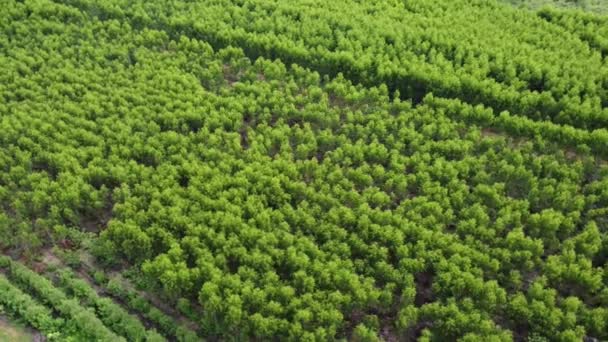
<point>111,314</point>
<point>478,51</point>
<point>22,305</point>
<point>69,296</point>
<point>589,27</point>
<point>290,205</point>
<point>166,324</point>
<point>78,323</point>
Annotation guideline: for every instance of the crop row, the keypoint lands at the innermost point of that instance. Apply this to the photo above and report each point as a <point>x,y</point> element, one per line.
<point>22,305</point>
<point>78,320</point>
<point>110,313</point>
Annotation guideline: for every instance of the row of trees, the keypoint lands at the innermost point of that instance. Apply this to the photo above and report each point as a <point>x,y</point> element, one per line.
<point>290,205</point>
<point>480,52</point>
<point>19,304</point>
<point>168,325</point>
<point>79,322</point>
<point>110,313</point>
<point>590,27</point>
<point>595,141</point>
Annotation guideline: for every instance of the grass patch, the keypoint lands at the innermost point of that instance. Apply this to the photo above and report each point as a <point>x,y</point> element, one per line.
<point>14,332</point>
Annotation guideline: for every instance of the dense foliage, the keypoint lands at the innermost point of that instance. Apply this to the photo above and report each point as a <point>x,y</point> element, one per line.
<point>476,50</point>
<point>289,203</point>
<point>589,27</point>
<point>592,6</point>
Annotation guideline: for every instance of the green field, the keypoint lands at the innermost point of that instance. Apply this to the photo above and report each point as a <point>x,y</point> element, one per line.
<point>267,170</point>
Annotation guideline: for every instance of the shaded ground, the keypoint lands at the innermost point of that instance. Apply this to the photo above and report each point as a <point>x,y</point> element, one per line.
<point>11,332</point>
